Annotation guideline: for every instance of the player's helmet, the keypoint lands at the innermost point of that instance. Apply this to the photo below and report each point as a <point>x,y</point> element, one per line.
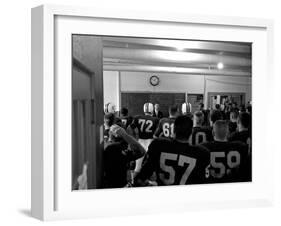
<point>109,108</point>
<point>148,108</point>
<point>186,108</point>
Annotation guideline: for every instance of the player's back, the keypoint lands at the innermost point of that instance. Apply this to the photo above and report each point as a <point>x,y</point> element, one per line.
<point>175,163</point>
<point>201,135</point>
<point>242,136</point>
<point>229,162</point>
<point>146,125</point>
<point>126,121</point>
<point>165,128</point>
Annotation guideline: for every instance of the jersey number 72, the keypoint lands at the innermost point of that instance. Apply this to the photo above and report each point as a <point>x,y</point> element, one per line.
<point>145,125</point>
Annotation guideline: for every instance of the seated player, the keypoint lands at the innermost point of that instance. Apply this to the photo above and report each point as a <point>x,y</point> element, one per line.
<point>166,125</point>
<point>122,149</point>
<point>144,127</point>
<point>125,118</point>
<point>243,134</point>
<point>109,120</point>
<point>175,161</point>
<point>214,116</point>
<point>229,161</point>
<point>200,134</point>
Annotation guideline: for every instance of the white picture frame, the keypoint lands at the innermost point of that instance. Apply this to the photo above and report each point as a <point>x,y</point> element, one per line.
<point>52,199</point>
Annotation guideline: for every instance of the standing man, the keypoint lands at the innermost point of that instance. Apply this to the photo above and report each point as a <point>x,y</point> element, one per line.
<point>157,113</point>
<point>144,126</point>
<point>166,125</point>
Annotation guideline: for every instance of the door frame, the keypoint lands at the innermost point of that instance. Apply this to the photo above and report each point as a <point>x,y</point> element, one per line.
<point>225,94</point>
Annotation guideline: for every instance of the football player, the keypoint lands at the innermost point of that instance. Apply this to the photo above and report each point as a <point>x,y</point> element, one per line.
<point>186,109</point>
<point>214,116</point>
<point>144,127</point>
<point>122,149</point>
<point>125,118</point>
<point>175,161</point>
<point>166,125</point>
<point>109,108</point>
<point>109,120</point>
<point>243,134</point>
<point>229,161</point>
<point>200,134</point>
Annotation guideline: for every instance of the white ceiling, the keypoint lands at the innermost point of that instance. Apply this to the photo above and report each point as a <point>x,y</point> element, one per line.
<point>177,56</point>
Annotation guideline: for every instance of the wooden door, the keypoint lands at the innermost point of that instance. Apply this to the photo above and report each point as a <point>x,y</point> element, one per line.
<point>87,110</point>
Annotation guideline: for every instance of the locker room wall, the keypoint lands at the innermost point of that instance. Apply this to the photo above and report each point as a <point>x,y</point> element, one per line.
<point>135,101</point>
<point>111,87</point>
<point>139,82</point>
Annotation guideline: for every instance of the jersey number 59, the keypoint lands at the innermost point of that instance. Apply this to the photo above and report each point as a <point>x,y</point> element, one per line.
<point>218,169</point>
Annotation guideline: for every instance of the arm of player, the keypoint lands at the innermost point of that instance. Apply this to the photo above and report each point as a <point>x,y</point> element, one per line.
<point>135,146</point>
<point>148,167</point>
<point>158,130</point>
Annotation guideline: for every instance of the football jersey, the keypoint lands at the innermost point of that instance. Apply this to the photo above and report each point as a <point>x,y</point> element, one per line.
<point>201,135</point>
<point>165,128</point>
<point>232,127</point>
<point>126,121</point>
<point>242,136</point>
<point>174,163</point>
<point>146,125</point>
<point>229,162</point>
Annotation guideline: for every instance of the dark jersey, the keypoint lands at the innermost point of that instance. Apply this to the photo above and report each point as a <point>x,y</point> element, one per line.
<point>117,159</point>
<point>229,162</point>
<point>174,163</point>
<point>242,136</point>
<point>165,128</point>
<point>146,125</point>
<point>232,127</point>
<point>201,135</point>
<point>126,121</point>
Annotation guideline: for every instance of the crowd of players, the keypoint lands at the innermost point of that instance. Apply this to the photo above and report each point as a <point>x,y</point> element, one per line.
<point>208,146</point>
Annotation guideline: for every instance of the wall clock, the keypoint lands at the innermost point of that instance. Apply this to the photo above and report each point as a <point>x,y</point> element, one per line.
<point>154,80</point>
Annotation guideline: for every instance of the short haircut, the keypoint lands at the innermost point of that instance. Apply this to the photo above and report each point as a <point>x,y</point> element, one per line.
<point>215,115</point>
<point>242,108</point>
<point>173,109</point>
<point>234,114</point>
<point>245,119</point>
<point>199,117</point>
<point>183,127</point>
<point>217,107</point>
<point>220,129</point>
<point>110,117</point>
<point>124,111</point>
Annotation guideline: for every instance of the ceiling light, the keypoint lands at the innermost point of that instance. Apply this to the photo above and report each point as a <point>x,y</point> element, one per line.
<point>220,65</point>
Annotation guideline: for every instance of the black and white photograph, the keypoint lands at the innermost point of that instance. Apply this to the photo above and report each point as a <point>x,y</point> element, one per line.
<point>173,112</point>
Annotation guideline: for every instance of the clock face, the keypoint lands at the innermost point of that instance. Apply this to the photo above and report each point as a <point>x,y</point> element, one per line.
<point>154,80</point>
